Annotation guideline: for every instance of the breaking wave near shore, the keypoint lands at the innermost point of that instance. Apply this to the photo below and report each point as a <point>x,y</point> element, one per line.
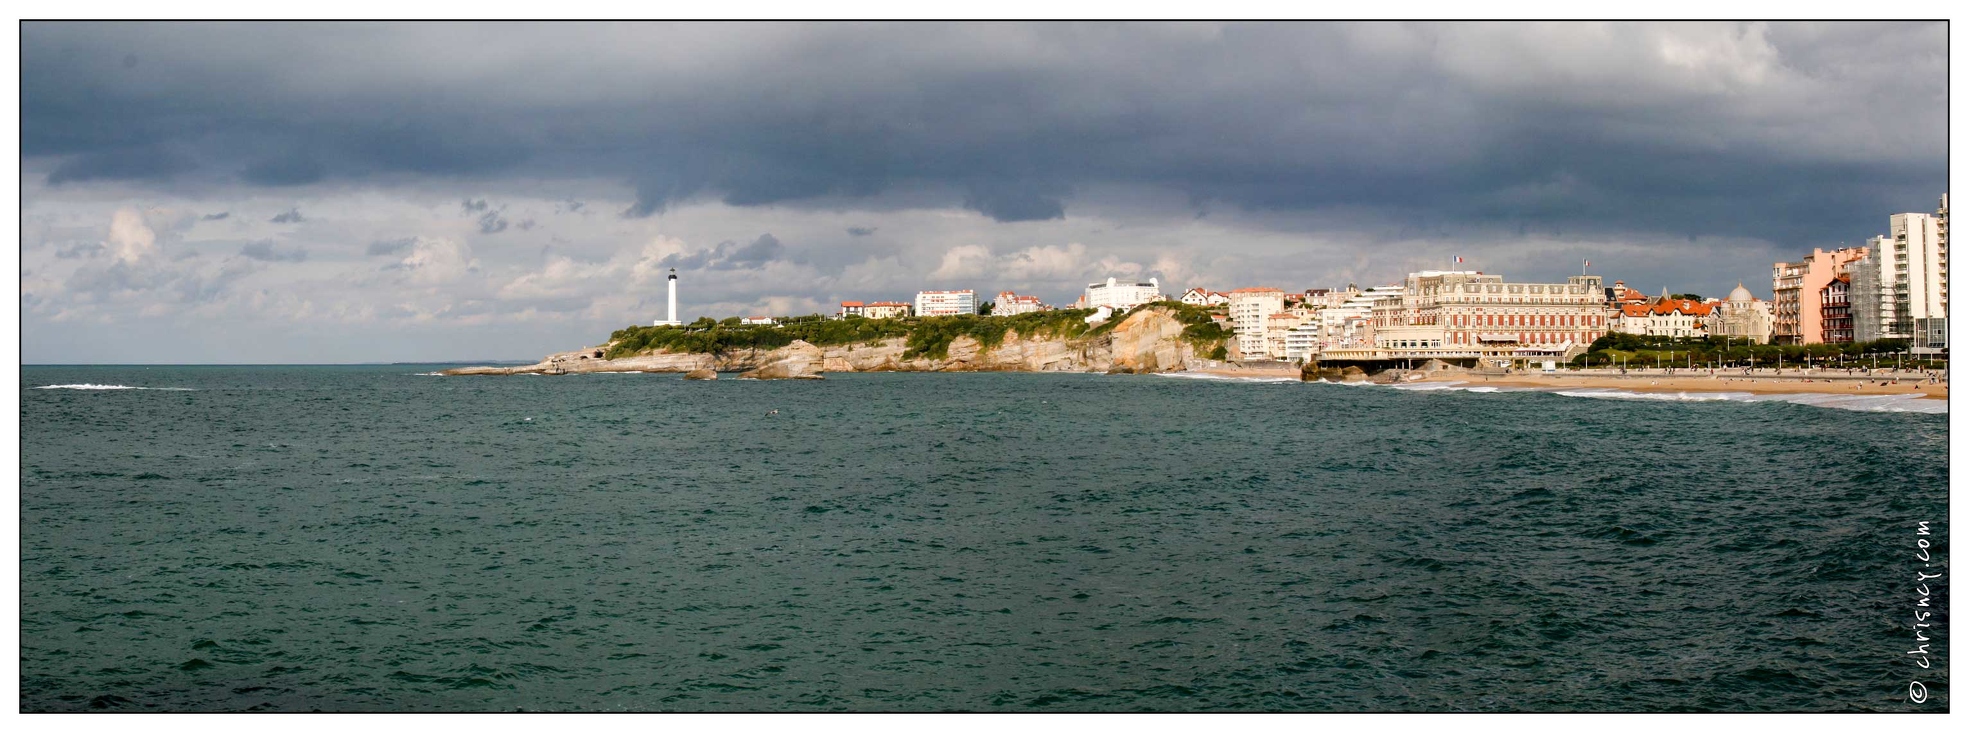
<point>1861,403</point>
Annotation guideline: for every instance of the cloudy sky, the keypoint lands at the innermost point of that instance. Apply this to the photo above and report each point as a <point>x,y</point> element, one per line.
<point>409,192</point>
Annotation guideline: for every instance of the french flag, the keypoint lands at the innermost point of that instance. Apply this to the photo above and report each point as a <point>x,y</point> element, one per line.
<point>1459,260</point>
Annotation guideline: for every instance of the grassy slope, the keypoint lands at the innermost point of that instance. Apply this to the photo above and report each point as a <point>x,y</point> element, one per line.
<point>926,336</point>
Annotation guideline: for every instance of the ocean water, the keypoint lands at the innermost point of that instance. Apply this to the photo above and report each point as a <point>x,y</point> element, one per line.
<point>368,538</point>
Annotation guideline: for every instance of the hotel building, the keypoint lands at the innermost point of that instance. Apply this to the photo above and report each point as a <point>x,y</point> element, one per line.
<point>946,303</point>
<point>1120,295</point>
<point>1463,314</point>
<point>886,309</point>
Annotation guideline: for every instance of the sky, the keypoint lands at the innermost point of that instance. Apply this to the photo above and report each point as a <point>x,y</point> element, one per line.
<point>377,192</point>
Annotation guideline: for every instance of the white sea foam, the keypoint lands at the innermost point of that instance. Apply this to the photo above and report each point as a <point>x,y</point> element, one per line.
<point>428,374</point>
<point>1225,378</point>
<point>98,387</point>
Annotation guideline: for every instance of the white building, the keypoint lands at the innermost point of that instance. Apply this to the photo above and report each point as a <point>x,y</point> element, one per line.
<point>885,309</point>
<point>1009,303</point>
<point>946,303</point>
<point>1202,297</point>
<point>1251,308</point>
<point>1120,295</point>
<point>1302,342</point>
<point>757,320</point>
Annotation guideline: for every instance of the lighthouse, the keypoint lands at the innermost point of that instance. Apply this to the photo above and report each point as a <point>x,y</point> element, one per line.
<point>671,316</point>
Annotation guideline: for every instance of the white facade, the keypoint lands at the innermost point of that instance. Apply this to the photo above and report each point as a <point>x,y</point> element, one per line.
<point>946,303</point>
<point>885,309</point>
<point>1121,295</point>
<point>1009,303</point>
<point>1250,309</point>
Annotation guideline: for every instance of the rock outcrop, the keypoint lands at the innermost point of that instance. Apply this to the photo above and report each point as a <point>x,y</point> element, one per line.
<point>797,360</point>
<point>704,374</point>
<point>1147,340</point>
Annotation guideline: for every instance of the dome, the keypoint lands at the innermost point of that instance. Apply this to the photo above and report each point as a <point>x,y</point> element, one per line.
<point>1741,295</point>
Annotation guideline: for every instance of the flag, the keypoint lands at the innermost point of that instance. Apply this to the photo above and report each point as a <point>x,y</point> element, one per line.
<point>1585,263</point>
<point>1459,260</point>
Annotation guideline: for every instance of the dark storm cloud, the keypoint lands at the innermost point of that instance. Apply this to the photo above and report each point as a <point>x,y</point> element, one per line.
<point>135,164</point>
<point>294,170</point>
<point>860,231</point>
<point>290,216</point>
<point>472,206</point>
<point>729,255</point>
<point>491,223</point>
<point>216,217</point>
<point>1711,129</point>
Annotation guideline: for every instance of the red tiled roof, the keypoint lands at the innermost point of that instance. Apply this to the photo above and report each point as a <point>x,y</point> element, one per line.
<point>1257,290</point>
<point>851,304</point>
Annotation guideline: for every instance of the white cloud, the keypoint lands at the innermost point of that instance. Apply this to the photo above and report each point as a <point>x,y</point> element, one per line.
<point>130,239</point>
<point>434,261</point>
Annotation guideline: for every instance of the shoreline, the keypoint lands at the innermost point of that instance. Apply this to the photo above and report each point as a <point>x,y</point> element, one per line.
<point>1659,384</point>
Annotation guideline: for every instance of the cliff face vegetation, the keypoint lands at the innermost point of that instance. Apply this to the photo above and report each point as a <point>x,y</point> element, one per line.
<point>1164,336</point>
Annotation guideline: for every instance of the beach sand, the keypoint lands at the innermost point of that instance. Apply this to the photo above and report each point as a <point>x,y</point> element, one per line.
<point>1705,383</point>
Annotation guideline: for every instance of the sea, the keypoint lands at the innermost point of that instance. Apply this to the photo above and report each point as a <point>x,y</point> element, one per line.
<point>380,538</point>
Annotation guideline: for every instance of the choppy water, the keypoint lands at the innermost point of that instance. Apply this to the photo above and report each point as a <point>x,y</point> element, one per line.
<point>362,538</point>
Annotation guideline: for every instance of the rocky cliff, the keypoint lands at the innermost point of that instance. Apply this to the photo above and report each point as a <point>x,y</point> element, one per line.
<point>1147,340</point>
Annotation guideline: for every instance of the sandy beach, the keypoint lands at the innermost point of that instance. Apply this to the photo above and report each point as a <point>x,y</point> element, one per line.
<point>1765,384</point>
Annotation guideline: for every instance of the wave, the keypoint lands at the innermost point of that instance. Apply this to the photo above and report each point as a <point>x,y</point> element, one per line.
<point>1225,378</point>
<point>428,374</point>
<point>97,387</point>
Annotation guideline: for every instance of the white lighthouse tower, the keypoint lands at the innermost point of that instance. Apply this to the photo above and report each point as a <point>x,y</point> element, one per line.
<point>671,316</point>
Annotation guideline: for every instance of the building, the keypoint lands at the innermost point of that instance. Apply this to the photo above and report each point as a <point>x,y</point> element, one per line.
<point>1250,308</point>
<point>1464,314</point>
<point>1302,343</point>
<point>670,317</point>
<point>1741,316</point>
<point>757,321</point>
<point>1931,333</point>
<point>1796,288</point>
<point>1835,311</point>
<point>1206,298</point>
<point>946,303</point>
<point>851,308</point>
<point>1664,316</point>
<point>1009,303</point>
<point>1277,326</point>
<point>1120,295</point>
<point>1350,325</point>
<point>1900,290</point>
<point>886,309</point>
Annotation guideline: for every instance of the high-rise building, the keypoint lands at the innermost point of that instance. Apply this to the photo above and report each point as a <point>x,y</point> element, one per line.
<point>1900,290</point>
<point>1250,310</point>
<point>1796,289</point>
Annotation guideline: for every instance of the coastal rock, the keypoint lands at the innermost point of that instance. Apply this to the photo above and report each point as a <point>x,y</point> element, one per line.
<point>1146,340</point>
<point>797,360</point>
<point>704,374</point>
